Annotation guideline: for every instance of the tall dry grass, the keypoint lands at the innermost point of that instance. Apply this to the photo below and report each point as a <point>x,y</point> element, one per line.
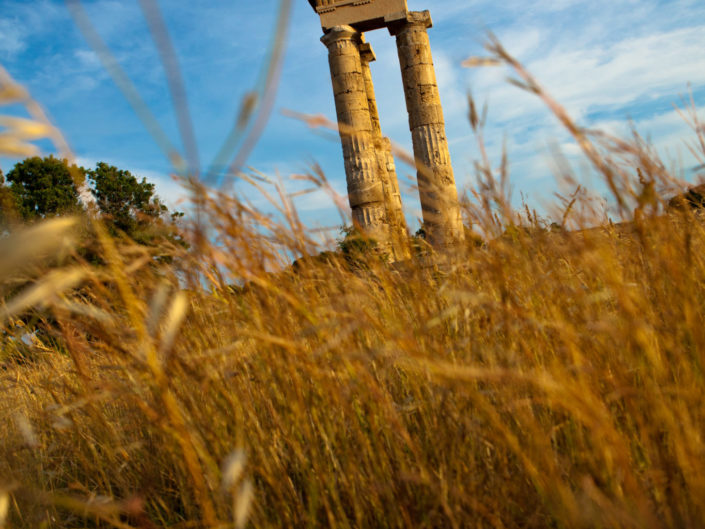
<point>546,378</point>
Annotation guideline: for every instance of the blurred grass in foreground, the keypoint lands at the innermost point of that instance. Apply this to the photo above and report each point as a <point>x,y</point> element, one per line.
<point>549,378</point>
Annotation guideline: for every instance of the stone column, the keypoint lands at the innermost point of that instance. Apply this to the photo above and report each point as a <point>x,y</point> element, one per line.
<point>385,165</point>
<point>439,196</point>
<point>365,189</point>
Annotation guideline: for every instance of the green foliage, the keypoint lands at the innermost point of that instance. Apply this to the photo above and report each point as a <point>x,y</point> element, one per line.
<point>120,196</point>
<point>45,187</point>
<point>355,245</point>
<point>128,205</point>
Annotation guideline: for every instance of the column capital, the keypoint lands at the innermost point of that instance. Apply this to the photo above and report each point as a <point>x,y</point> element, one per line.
<point>339,33</point>
<point>367,54</point>
<point>396,23</point>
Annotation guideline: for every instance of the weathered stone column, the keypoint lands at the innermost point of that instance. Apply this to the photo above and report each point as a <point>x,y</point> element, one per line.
<point>439,196</point>
<point>386,169</point>
<point>365,189</point>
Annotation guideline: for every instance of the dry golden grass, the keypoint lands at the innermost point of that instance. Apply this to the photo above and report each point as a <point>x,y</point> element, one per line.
<point>544,379</point>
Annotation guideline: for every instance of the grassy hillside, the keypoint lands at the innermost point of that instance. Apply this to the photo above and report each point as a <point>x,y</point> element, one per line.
<point>545,378</point>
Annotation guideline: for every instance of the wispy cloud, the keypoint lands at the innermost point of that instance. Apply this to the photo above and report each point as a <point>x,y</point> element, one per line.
<point>605,60</point>
<point>11,40</point>
<point>590,78</point>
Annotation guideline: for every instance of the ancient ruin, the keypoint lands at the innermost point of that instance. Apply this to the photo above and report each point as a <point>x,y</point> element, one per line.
<point>373,188</point>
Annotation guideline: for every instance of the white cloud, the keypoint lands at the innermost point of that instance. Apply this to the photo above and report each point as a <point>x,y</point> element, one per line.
<point>583,79</point>
<point>602,59</point>
<point>11,38</point>
<point>669,132</point>
<point>88,59</point>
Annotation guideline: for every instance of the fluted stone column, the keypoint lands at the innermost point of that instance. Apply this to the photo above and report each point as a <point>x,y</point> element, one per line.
<point>439,196</point>
<point>386,169</point>
<point>365,188</point>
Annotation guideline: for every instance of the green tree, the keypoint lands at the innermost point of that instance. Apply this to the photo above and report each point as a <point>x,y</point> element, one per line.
<point>44,187</point>
<point>123,200</point>
<point>130,206</point>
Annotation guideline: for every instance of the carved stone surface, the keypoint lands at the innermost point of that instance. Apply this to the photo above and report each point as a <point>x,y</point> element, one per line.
<point>365,187</point>
<point>373,188</point>
<point>363,15</point>
<point>386,170</point>
<point>439,196</point>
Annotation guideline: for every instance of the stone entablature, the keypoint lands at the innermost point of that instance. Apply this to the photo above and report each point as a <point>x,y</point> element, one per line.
<point>363,15</point>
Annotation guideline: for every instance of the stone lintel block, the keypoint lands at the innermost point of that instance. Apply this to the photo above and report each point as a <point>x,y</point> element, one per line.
<point>415,64</point>
<point>416,107</point>
<point>398,23</point>
<point>376,126</point>
<point>431,145</point>
<point>423,95</point>
<point>340,33</point>
<point>421,75</point>
<point>372,219</point>
<point>352,102</point>
<point>344,95</point>
<point>445,179</point>
<point>410,63</point>
<point>367,193</point>
<point>434,202</point>
<point>432,215</point>
<point>419,84</point>
<point>411,56</point>
<point>356,143</point>
<point>345,64</point>
<point>361,164</point>
<point>352,95</point>
<point>429,91</point>
<point>432,133</point>
<point>364,15</point>
<point>414,40</point>
<point>427,115</point>
<point>356,120</point>
<point>343,47</point>
<point>412,35</point>
<point>437,196</point>
<point>378,141</point>
<point>367,54</point>
<point>348,82</point>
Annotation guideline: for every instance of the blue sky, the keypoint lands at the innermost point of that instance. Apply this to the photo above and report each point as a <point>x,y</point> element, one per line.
<point>606,61</point>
